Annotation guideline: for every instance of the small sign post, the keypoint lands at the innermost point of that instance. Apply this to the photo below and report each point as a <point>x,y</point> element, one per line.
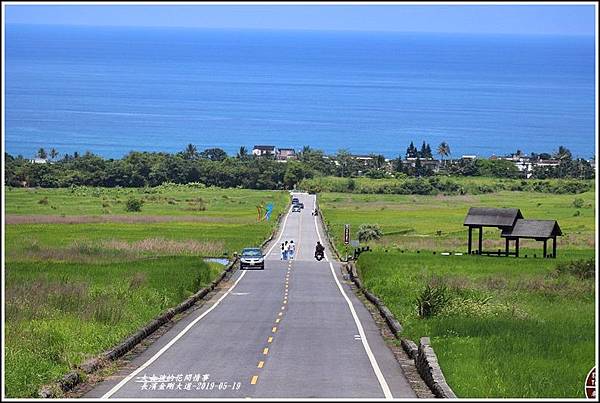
<point>346,237</point>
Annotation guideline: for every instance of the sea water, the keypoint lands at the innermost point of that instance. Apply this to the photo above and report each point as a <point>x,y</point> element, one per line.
<point>110,90</point>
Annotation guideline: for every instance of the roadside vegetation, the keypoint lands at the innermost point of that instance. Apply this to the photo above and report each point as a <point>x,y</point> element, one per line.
<point>83,271</point>
<point>503,327</point>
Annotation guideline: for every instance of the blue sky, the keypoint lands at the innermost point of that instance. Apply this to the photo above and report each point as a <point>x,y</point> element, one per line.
<point>554,19</point>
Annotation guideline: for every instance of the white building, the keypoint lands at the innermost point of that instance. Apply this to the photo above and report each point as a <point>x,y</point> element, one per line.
<point>261,151</point>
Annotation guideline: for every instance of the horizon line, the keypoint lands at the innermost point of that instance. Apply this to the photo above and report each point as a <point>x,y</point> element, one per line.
<point>388,31</point>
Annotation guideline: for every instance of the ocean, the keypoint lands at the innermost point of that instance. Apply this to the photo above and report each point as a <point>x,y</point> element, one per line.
<point>111,90</point>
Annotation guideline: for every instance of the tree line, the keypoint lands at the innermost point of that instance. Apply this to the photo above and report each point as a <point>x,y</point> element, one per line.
<point>214,166</point>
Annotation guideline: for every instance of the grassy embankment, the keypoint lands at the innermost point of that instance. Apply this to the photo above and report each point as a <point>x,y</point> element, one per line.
<point>76,289</point>
<point>510,327</point>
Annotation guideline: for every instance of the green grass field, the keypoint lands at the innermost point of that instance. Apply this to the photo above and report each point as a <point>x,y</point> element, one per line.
<point>412,222</point>
<point>512,327</point>
<point>75,286</point>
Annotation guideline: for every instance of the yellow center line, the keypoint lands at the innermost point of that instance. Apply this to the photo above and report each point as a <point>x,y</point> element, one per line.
<point>277,320</point>
<point>254,380</point>
<point>280,313</point>
<point>282,308</point>
<point>260,364</point>
<point>270,339</point>
<point>274,330</point>
<point>266,351</point>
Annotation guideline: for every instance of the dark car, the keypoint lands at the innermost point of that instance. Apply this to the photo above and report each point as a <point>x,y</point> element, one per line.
<point>295,200</point>
<point>252,258</point>
<point>296,208</point>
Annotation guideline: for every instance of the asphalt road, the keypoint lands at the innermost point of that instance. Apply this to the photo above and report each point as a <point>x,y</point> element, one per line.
<point>294,330</point>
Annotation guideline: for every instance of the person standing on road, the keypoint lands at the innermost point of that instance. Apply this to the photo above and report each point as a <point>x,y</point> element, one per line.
<point>282,251</point>
<point>292,249</point>
<point>286,249</point>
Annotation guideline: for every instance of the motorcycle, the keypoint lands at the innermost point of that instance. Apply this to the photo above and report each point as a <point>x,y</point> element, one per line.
<point>319,255</point>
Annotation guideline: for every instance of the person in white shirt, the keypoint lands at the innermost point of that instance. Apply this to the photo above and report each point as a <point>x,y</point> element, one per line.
<point>291,249</point>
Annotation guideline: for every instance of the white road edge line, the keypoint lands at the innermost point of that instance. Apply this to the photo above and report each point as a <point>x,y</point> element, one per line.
<point>363,337</point>
<point>187,328</point>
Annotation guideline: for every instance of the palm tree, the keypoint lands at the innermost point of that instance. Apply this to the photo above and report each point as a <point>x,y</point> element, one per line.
<point>563,153</point>
<point>53,153</point>
<point>190,151</point>
<point>443,150</point>
<point>42,153</point>
<point>242,153</point>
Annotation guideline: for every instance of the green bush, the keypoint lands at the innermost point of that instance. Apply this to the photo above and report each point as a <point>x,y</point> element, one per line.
<point>133,205</point>
<point>582,268</point>
<point>578,202</point>
<point>433,300</point>
<point>368,232</point>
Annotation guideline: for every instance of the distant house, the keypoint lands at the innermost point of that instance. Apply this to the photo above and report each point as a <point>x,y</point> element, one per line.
<point>39,161</point>
<point>526,164</point>
<point>523,163</point>
<point>430,163</point>
<point>260,151</point>
<point>284,154</point>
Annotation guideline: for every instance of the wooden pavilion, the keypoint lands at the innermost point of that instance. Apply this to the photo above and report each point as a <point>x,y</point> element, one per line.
<point>479,217</point>
<point>540,230</point>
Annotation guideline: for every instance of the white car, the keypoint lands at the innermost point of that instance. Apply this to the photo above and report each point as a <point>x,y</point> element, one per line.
<point>252,258</point>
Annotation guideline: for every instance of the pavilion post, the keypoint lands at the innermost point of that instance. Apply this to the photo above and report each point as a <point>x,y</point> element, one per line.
<point>470,239</point>
<point>545,248</point>
<point>480,239</point>
<point>517,247</point>
<point>554,246</point>
<point>506,249</point>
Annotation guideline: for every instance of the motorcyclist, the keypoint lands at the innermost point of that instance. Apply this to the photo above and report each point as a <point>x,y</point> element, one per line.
<point>319,250</point>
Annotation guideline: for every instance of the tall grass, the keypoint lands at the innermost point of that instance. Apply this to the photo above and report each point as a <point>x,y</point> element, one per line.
<point>58,314</point>
<point>513,327</point>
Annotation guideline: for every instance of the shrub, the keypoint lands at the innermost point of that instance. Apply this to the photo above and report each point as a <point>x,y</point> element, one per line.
<point>44,201</point>
<point>583,268</point>
<point>432,300</point>
<point>368,232</point>
<point>578,202</point>
<point>133,204</point>
<point>482,308</point>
